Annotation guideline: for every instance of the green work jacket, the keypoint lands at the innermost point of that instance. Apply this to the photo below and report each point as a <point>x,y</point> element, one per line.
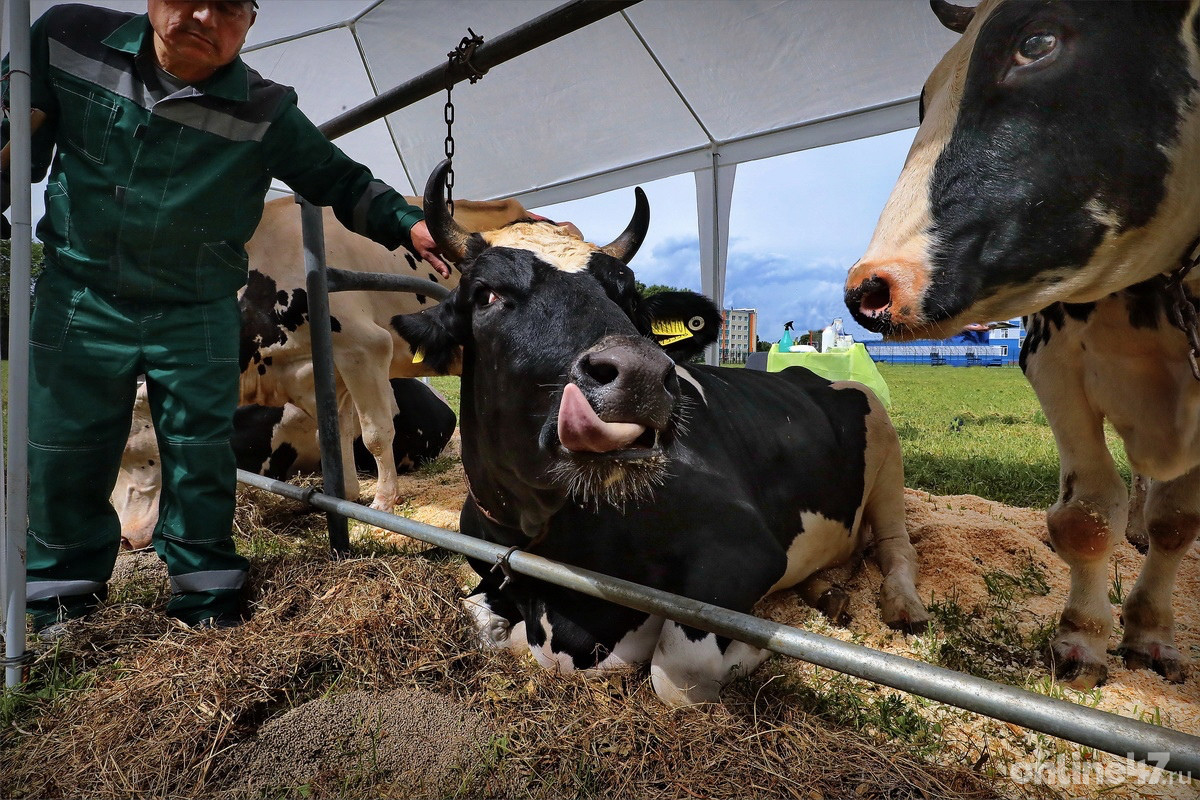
<point>153,194</point>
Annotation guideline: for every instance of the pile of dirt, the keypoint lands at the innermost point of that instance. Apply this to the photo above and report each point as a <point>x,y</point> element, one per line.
<point>417,743</point>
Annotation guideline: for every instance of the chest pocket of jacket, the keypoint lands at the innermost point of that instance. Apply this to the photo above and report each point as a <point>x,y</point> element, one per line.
<point>87,120</point>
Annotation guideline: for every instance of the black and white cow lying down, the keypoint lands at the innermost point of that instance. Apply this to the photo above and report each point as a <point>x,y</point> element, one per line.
<point>584,442</point>
<point>1056,173</point>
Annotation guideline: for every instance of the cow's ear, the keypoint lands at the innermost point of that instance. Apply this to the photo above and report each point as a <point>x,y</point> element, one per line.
<point>435,334</point>
<point>683,323</point>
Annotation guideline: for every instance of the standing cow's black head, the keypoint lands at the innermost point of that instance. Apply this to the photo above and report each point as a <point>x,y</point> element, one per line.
<point>1056,161</point>
<point>569,380</point>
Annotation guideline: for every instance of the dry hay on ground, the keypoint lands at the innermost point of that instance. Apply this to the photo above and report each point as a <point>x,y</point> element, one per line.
<point>174,713</point>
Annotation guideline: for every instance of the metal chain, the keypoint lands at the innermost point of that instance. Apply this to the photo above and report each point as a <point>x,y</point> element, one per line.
<point>1184,313</point>
<point>460,55</point>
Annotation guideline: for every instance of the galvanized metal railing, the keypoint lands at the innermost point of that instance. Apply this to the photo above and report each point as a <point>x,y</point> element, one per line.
<point>1166,748</point>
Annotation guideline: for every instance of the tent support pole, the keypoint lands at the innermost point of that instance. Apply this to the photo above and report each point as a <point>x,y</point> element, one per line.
<point>16,500</point>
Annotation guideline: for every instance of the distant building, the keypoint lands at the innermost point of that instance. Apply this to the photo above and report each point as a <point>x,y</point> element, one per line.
<point>997,346</point>
<point>739,333</point>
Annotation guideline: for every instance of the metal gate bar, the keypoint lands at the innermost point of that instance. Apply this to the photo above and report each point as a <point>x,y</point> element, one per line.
<point>1166,748</point>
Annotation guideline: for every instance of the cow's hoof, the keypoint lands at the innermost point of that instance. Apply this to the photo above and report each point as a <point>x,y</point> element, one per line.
<point>135,542</point>
<point>834,603</point>
<point>909,626</point>
<point>1076,667</point>
<point>900,607</point>
<point>1163,659</point>
<point>384,504</point>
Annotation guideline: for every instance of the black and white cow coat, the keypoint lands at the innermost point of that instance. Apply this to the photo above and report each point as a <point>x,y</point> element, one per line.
<point>1056,173</point>
<point>586,443</point>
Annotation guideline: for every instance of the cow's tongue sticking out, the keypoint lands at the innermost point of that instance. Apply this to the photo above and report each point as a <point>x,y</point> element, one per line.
<point>580,430</point>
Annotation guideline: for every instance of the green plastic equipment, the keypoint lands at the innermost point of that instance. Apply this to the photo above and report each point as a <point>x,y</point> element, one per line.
<point>843,364</point>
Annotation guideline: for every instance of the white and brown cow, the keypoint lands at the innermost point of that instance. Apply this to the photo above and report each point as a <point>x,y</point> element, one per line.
<point>279,442</point>
<point>276,353</point>
<point>583,441</point>
<point>1056,173</point>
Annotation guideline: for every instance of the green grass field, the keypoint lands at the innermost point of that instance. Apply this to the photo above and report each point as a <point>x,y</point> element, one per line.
<point>964,430</point>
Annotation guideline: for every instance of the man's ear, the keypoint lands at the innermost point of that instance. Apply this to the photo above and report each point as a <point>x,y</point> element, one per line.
<point>435,334</point>
<point>683,323</point>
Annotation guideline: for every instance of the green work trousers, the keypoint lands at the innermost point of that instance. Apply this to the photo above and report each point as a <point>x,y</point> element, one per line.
<point>86,351</point>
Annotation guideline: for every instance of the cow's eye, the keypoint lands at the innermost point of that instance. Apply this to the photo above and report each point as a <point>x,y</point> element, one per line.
<point>1036,46</point>
<point>484,296</point>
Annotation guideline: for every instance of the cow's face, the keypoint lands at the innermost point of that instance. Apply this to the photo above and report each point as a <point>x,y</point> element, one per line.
<point>560,384</point>
<point>1055,161</point>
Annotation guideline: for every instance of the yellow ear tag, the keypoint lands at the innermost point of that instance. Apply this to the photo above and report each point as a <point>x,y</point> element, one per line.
<point>418,356</point>
<point>670,331</point>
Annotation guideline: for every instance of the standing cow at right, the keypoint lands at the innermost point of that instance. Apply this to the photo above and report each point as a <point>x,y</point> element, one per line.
<point>1056,173</point>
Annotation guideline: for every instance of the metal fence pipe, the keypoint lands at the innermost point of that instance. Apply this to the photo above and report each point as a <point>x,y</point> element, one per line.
<point>555,23</point>
<point>343,280</point>
<point>333,470</point>
<point>1170,749</point>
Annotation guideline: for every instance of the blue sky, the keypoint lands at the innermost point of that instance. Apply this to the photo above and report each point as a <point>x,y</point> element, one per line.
<point>797,224</point>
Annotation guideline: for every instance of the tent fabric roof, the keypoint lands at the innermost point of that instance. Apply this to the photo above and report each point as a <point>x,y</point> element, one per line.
<point>662,88</point>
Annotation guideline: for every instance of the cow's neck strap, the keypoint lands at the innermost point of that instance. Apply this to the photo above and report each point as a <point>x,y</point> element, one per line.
<point>1183,311</point>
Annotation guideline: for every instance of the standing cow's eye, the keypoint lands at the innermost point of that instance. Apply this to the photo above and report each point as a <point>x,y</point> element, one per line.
<point>1036,46</point>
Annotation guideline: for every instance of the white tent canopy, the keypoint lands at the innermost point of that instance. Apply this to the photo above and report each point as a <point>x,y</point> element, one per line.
<point>663,88</point>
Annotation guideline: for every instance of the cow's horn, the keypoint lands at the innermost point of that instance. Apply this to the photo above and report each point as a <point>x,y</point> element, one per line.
<point>956,18</point>
<point>449,235</point>
<point>625,246</point>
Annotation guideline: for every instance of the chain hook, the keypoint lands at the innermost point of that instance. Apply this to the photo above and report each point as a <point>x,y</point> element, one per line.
<point>460,56</point>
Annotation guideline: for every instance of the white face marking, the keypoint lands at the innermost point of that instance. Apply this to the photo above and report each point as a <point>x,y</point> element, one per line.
<point>554,244</point>
<point>494,630</point>
<point>824,543</point>
<point>690,378</point>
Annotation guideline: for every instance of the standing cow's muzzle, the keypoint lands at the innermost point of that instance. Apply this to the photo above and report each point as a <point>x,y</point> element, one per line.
<point>620,394</point>
<point>886,299</point>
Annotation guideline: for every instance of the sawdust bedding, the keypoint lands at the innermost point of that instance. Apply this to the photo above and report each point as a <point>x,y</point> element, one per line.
<point>960,540</point>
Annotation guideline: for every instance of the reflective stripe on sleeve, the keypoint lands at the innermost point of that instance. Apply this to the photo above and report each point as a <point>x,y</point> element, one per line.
<point>373,190</point>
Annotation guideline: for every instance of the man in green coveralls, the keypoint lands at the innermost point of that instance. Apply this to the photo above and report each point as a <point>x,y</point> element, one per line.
<point>160,144</point>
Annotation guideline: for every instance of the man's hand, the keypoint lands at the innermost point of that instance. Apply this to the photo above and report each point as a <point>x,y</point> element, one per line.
<point>427,248</point>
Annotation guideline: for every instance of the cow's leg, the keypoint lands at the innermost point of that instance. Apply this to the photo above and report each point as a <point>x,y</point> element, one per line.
<point>364,356</point>
<point>690,666</point>
<point>1172,521</point>
<point>1093,501</point>
<point>826,591</point>
<point>883,511</point>
<point>1135,529</point>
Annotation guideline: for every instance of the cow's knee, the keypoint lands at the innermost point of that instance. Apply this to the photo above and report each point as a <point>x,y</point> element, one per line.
<point>1173,533</point>
<point>1079,533</point>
